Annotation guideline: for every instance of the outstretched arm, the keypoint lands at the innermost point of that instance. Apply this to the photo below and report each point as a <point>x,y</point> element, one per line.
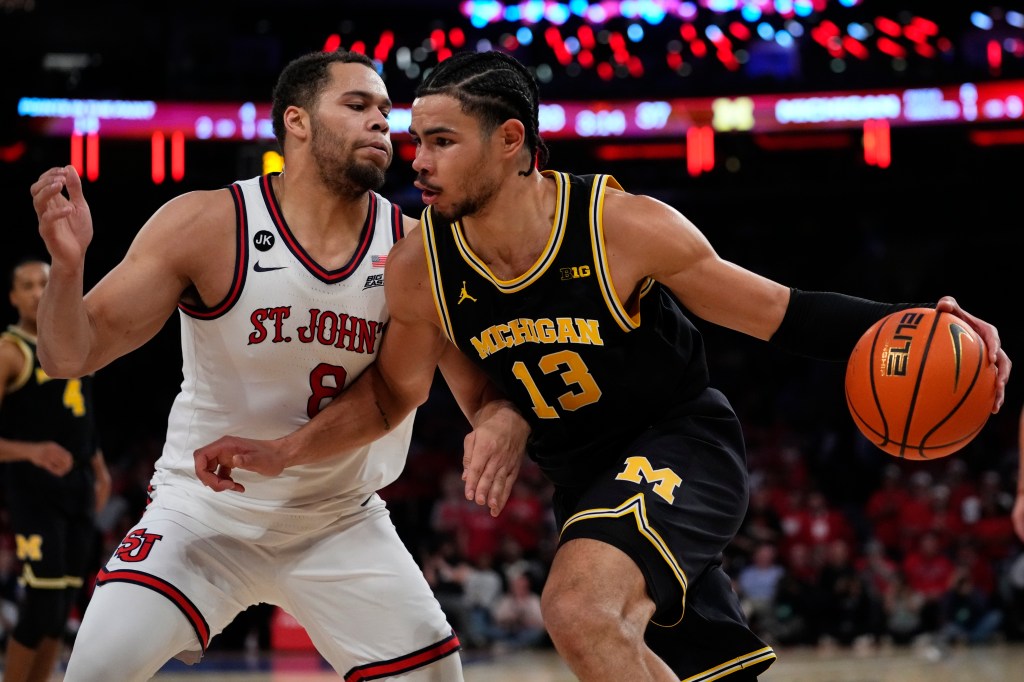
<point>651,239</point>
<point>78,333</point>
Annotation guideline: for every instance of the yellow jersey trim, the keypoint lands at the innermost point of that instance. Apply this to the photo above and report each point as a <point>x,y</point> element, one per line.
<point>26,369</point>
<point>434,268</point>
<point>729,667</point>
<point>638,508</point>
<point>543,261</point>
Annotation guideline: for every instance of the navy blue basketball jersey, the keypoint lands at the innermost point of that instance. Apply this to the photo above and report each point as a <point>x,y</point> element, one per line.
<point>587,367</point>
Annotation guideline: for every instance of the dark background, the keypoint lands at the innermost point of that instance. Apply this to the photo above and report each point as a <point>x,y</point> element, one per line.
<point>945,218</point>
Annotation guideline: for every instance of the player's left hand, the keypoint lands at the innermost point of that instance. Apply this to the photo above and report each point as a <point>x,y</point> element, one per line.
<point>215,462</point>
<point>990,335</point>
<point>494,451</point>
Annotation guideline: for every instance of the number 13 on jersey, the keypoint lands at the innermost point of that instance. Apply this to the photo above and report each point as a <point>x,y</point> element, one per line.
<point>583,390</point>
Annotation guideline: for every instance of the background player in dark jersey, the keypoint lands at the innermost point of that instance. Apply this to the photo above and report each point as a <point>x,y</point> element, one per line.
<point>55,480</point>
<point>569,292</point>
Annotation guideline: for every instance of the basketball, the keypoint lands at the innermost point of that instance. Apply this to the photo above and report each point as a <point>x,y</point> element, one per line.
<point>919,384</point>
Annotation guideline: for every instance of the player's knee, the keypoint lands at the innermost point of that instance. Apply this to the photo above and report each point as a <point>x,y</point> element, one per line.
<point>43,614</point>
<point>568,615</point>
<point>575,619</point>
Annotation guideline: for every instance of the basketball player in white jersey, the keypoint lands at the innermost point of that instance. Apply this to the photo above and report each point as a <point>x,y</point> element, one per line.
<point>279,288</point>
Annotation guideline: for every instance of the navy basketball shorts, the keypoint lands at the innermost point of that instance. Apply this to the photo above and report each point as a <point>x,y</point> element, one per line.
<point>673,502</point>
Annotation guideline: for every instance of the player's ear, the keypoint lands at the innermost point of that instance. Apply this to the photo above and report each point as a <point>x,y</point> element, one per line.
<point>513,136</point>
<point>296,122</point>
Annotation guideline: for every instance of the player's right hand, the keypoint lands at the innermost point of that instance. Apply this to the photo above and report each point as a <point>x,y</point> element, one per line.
<point>65,223</point>
<point>215,462</point>
<point>52,457</point>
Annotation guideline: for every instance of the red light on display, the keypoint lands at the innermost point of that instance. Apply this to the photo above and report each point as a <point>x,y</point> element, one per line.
<point>891,48</point>
<point>436,39</point>
<point>887,26</point>
<point>855,47</point>
<point>92,156</point>
<point>384,45</point>
<point>925,50</point>
<point>877,150</point>
<point>77,154</point>
<point>457,37</point>
<point>992,138</point>
<point>177,156</point>
<point>626,152</point>
<point>994,53</point>
<point>700,150</point>
<point>739,30</point>
<point>332,43</point>
<point>157,164</point>
<point>586,36</point>
<point>921,25</point>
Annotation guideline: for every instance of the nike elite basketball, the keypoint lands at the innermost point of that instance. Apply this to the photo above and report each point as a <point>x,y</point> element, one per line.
<point>919,384</point>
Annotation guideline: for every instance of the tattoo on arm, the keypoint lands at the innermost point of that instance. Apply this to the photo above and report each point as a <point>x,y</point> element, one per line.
<point>383,415</point>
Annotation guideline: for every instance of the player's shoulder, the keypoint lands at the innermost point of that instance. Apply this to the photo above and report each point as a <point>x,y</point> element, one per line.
<point>14,355</point>
<point>621,207</point>
<point>407,253</point>
<point>207,205</point>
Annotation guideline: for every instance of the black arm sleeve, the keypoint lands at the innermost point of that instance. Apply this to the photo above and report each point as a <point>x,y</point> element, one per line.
<point>826,325</point>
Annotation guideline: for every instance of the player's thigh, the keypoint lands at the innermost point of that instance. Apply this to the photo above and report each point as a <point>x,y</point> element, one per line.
<point>365,603</point>
<point>128,633</point>
<point>206,577</point>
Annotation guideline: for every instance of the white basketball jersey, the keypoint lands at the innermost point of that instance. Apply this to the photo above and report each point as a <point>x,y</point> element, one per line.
<point>266,359</point>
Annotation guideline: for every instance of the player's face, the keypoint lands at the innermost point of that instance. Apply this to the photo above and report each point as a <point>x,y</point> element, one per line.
<point>28,283</point>
<point>349,130</point>
<point>455,166</point>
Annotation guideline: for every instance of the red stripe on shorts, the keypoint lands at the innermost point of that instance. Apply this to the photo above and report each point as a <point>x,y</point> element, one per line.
<point>170,591</point>
<point>403,664</point>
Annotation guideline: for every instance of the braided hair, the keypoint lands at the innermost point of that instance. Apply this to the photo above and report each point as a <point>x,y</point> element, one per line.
<point>494,87</point>
<point>304,79</point>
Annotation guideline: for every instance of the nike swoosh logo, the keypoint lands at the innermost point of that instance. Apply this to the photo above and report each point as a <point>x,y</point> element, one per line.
<point>957,333</point>
<point>259,268</point>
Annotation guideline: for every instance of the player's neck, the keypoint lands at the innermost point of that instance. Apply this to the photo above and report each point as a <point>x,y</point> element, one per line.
<point>27,327</point>
<point>327,225</point>
<point>510,233</point>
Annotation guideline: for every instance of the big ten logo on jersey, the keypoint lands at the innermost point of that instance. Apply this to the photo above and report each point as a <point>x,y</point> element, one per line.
<point>137,545</point>
<point>575,272</point>
<point>325,327</point>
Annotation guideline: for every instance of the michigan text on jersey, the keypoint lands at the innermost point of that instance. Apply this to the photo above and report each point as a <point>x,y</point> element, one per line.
<point>544,330</point>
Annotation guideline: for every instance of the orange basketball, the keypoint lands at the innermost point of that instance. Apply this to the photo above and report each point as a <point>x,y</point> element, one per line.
<point>919,384</point>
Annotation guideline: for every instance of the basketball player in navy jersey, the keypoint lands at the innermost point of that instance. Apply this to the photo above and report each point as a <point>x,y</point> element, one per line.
<point>55,481</point>
<point>281,303</point>
<point>566,290</point>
